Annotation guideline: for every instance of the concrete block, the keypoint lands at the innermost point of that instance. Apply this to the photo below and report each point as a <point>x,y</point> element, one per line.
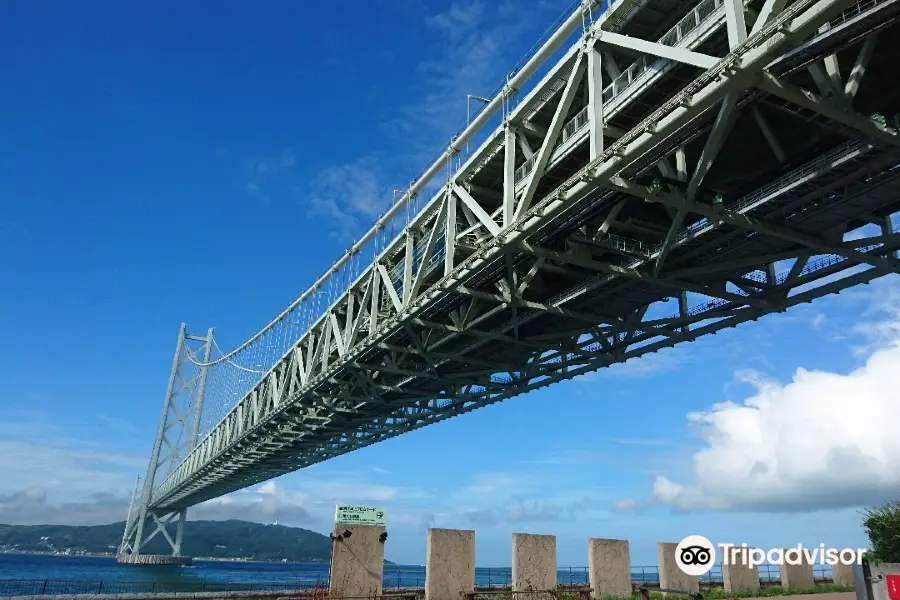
<point>449,564</point>
<point>357,562</point>
<point>797,576</point>
<point>533,565</point>
<point>609,567</point>
<point>842,574</point>
<point>670,574</point>
<point>737,577</point>
<point>879,584</point>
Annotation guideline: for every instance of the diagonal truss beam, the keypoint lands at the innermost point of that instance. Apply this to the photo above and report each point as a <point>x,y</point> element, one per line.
<point>735,23</point>
<point>859,67</point>
<point>556,125</point>
<point>770,10</point>
<point>470,203</point>
<point>768,133</point>
<point>810,101</point>
<point>688,57</point>
<point>747,222</point>
<point>721,128</point>
<point>631,273</point>
<point>436,230</point>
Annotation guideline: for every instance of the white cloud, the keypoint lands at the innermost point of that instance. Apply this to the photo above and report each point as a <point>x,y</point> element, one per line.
<point>488,484</point>
<point>343,491</point>
<point>50,477</point>
<point>474,45</point>
<point>880,326</point>
<point>269,488</point>
<point>349,196</point>
<point>625,504</point>
<point>495,498</point>
<point>60,501</point>
<point>266,504</point>
<point>480,43</point>
<point>481,516</point>
<point>543,510</point>
<point>551,508</point>
<point>32,506</point>
<point>822,441</point>
<point>65,469</point>
<point>310,498</point>
<point>118,424</point>
<point>266,176</point>
<point>262,168</point>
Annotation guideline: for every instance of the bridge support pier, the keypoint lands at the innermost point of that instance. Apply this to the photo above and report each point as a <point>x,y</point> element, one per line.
<point>177,435</point>
<point>357,561</point>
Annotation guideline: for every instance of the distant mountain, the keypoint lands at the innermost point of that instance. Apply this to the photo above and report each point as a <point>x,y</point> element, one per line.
<point>219,539</point>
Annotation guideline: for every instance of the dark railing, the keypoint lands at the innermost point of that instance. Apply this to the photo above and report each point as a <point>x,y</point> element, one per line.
<point>40,587</point>
<point>395,578</point>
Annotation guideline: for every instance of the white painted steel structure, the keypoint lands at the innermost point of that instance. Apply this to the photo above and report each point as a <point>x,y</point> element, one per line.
<point>611,213</point>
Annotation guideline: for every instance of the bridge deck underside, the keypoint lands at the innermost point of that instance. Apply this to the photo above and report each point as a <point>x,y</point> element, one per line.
<point>497,334</point>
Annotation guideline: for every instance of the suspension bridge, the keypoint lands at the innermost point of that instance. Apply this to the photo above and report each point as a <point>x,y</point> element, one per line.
<point>654,171</point>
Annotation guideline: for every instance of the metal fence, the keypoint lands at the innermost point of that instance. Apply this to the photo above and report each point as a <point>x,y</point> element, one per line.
<point>41,587</point>
<point>395,578</point>
<point>768,575</point>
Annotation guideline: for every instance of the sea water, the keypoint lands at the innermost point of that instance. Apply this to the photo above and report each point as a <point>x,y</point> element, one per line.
<point>46,574</point>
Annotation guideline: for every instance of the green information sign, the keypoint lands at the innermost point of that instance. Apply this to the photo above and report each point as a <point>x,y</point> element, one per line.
<point>358,515</point>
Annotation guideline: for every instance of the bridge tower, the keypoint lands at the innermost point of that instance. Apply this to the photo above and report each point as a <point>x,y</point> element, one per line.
<point>178,432</point>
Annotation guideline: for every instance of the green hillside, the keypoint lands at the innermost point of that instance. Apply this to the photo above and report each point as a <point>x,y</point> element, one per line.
<point>220,539</point>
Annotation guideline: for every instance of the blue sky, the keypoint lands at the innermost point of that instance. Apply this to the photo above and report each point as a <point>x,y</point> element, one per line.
<point>204,163</point>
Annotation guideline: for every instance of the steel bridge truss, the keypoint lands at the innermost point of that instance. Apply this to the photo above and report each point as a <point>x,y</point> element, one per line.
<point>615,212</point>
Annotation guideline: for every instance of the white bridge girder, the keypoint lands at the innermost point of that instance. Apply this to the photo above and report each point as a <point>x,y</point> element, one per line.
<point>495,288</point>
